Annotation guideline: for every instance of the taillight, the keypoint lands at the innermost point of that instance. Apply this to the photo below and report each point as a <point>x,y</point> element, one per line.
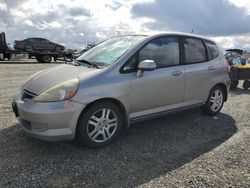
<point>17,42</point>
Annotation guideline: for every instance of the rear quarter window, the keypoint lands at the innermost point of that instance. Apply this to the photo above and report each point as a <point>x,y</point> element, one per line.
<point>212,48</point>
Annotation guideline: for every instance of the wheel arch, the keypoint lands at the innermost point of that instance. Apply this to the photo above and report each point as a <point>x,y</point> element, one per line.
<point>118,103</point>
<point>27,44</point>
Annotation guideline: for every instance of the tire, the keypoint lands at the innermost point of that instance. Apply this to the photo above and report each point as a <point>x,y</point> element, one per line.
<point>29,48</point>
<point>234,84</point>
<point>46,58</point>
<point>246,84</point>
<point>58,49</point>
<point>38,58</point>
<point>218,96</point>
<point>95,131</point>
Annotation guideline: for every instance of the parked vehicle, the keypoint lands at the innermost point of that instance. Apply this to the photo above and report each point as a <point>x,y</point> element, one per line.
<point>236,58</point>
<point>239,70</point>
<point>81,51</point>
<point>238,51</point>
<point>32,44</point>
<point>123,80</point>
<point>41,55</point>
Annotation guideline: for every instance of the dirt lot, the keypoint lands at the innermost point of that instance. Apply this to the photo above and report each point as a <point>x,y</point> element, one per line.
<point>182,150</point>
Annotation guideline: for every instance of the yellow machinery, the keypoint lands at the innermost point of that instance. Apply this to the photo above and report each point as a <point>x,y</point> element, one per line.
<point>239,72</point>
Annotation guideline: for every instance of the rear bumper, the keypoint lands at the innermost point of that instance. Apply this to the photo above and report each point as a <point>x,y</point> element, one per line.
<point>52,121</point>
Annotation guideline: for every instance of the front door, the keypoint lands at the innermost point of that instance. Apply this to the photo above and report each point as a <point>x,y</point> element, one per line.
<point>163,88</point>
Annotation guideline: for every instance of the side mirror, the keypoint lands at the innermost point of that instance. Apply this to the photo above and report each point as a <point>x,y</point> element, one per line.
<point>145,65</point>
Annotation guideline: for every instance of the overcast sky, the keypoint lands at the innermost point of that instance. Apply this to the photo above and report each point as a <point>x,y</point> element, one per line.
<point>76,22</point>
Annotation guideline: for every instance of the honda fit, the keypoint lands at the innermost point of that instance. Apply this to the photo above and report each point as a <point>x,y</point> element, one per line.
<point>122,80</point>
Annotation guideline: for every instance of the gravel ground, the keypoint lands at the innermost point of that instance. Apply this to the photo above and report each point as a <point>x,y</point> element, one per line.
<point>182,150</point>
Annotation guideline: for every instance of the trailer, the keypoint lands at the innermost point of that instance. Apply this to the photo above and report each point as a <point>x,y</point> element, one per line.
<point>240,72</point>
<point>42,56</point>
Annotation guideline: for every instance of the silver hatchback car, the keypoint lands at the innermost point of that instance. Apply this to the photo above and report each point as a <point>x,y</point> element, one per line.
<point>122,80</point>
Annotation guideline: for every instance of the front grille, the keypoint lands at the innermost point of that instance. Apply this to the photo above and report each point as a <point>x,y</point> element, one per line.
<point>28,95</point>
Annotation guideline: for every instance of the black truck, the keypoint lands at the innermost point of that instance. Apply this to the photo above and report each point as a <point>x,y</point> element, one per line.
<point>42,56</point>
<point>5,50</point>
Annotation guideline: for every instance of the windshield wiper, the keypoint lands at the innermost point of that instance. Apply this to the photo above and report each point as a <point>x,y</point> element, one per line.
<point>89,63</point>
<point>73,63</point>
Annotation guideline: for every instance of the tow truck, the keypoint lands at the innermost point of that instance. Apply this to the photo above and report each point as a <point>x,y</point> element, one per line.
<point>42,56</point>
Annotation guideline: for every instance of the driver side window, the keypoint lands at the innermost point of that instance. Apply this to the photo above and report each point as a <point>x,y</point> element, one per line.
<point>163,50</point>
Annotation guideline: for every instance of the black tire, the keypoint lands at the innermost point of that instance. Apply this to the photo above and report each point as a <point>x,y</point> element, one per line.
<point>29,48</point>
<point>58,49</point>
<point>46,58</point>
<point>234,84</point>
<point>246,84</point>
<point>207,108</point>
<point>84,128</point>
<point>38,58</point>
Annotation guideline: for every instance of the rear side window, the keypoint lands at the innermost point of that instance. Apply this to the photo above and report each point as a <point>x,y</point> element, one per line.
<point>164,51</point>
<point>33,40</point>
<point>195,51</point>
<point>44,40</point>
<point>212,49</point>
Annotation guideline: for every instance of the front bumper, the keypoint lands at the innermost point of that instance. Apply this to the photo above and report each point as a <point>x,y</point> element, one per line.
<point>52,121</point>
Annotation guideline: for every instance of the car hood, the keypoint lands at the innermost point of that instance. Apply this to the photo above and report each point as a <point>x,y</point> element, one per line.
<point>56,75</point>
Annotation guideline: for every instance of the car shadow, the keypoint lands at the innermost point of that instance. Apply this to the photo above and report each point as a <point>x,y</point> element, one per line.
<point>145,151</point>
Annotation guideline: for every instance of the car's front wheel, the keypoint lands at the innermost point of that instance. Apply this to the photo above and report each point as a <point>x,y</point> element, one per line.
<point>214,102</point>
<point>99,125</point>
<point>58,49</point>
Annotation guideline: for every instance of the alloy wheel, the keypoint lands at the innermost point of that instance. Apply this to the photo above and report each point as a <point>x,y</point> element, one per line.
<point>102,125</point>
<point>216,100</point>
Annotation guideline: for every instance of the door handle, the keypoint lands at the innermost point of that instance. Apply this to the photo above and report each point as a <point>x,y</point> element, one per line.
<point>211,68</point>
<point>176,73</point>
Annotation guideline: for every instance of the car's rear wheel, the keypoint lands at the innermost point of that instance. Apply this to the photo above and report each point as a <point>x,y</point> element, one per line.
<point>214,102</point>
<point>99,125</point>
<point>246,84</point>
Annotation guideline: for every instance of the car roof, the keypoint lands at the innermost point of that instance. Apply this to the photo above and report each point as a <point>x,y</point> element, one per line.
<point>36,38</point>
<point>185,35</point>
<point>172,33</point>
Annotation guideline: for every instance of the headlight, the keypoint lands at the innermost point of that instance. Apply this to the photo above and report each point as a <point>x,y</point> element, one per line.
<point>60,92</point>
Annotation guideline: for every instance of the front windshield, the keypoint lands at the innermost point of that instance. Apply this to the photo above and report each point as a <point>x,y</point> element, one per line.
<point>107,52</point>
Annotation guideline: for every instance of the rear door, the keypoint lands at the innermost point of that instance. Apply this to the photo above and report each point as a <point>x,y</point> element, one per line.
<point>200,69</point>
